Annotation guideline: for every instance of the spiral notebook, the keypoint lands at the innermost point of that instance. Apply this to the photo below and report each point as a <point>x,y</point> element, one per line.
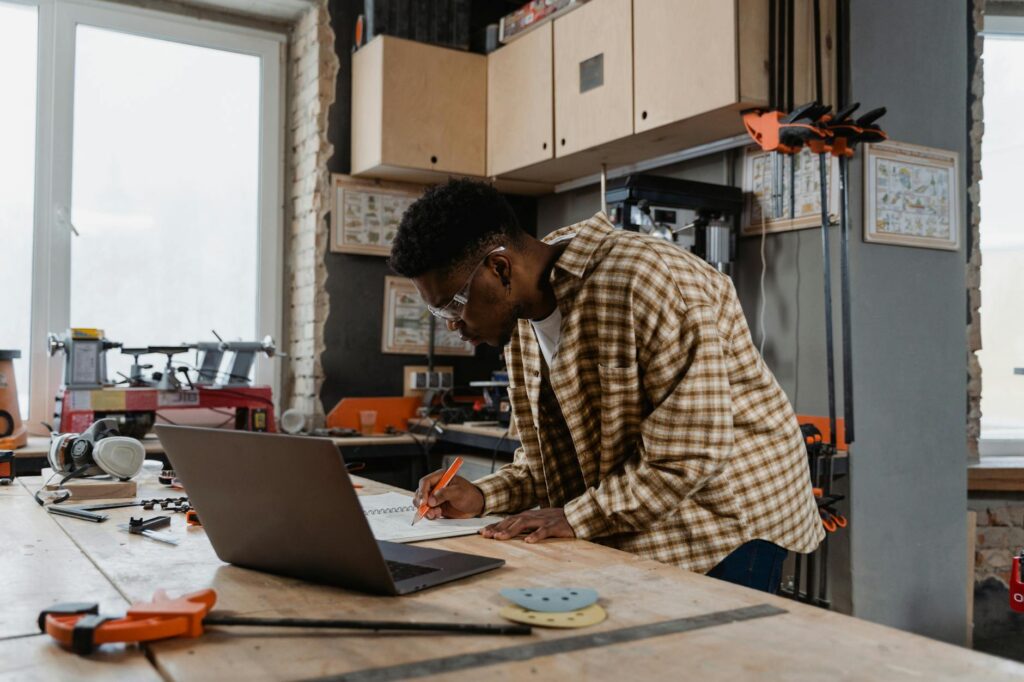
<point>390,515</point>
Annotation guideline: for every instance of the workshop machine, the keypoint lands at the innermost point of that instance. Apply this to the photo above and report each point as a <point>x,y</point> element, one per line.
<point>13,433</point>
<point>696,216</point>
<point>88,394</point>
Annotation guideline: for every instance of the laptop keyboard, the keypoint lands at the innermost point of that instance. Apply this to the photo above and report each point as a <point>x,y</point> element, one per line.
<point>400,571</point>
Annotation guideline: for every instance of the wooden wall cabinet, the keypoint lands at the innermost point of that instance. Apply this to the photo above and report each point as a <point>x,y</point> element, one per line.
<point>593,75</point>
<point>520,108</point>
<point>612,83</point>
<point>674,74</point>
<point>695,56</point>
<point>419,112</point>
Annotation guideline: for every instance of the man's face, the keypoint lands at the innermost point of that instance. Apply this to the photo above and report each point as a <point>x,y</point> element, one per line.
<point>490,313</point>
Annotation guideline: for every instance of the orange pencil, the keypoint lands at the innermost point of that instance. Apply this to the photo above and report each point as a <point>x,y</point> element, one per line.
<point>445,480</point>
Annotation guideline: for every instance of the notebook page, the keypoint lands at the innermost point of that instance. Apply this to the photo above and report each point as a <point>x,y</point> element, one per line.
<point>390,516</point>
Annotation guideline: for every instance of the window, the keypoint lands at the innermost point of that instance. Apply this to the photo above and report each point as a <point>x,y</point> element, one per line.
<point>1002,241</point>
<point>165,188</point>
<point>157,193</point>
<point>17,178</point>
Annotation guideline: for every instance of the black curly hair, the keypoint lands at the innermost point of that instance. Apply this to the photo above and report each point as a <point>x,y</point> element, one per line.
<point>450,225</point>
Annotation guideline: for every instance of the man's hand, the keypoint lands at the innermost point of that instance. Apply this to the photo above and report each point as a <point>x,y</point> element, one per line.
<point>545,523</point>
<point>460,499</point>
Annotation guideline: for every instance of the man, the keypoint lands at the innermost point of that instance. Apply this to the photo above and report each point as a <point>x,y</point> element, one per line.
<point>648,420</point>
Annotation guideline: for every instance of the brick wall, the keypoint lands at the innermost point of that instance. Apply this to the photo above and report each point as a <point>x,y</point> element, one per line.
<point>1000,534</point>
<point>312,67</point>
<point>997,629</point>
<point>974,252</point>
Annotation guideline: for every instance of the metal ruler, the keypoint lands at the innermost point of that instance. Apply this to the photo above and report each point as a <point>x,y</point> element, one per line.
<point>512,654</point>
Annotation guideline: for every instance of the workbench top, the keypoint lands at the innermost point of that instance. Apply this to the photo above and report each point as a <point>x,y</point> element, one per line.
<point>39,446</point>
<point>47,559</point>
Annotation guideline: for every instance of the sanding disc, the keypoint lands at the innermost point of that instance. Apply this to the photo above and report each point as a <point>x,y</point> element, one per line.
<point>591,615</point>
<point>551,599</point>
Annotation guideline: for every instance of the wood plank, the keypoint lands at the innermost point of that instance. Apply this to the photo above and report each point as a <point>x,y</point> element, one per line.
<point>434,112</point>
<point>586,118</point>
<point>40,659</point>
<point>997,474</point>
<point>367,107</point>
<point>804,643</point>
<point>752,22</point>
<point>520,105</point>
<point>684,59</point>
<point>713,126</point>
<point>40,565</point>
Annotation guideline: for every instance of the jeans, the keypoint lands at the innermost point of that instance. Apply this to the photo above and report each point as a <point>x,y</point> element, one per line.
<point>756,564</point>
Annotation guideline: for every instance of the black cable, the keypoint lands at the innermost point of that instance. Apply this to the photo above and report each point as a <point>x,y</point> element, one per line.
<point>780,49</point>
<point>424,451</point>
<point>74,473</point>
<point>790,43</point>
<point>773,65</point>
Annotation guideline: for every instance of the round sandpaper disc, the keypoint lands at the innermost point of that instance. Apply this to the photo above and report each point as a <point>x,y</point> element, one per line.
<point>551,599</point>
<point>591,615</point>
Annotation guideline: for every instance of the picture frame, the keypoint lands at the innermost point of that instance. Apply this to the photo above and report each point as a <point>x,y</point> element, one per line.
<point>365,214</point>
<point>406,328</point>
<point>758,186</point>
<point>912,196</point>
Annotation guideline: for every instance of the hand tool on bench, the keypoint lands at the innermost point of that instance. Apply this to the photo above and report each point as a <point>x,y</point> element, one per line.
<point>80,626</point>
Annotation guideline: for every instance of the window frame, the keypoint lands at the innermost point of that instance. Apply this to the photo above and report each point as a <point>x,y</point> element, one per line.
<point>1001,26</point>
<point>52,230</point>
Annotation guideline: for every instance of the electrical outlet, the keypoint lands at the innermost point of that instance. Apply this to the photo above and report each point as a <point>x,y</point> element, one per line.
<point>418,379</point>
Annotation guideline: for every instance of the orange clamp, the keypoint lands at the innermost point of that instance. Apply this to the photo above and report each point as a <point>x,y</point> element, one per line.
<point>161,618</point>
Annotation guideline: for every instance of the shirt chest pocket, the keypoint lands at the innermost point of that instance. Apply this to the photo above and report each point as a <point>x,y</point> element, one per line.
<point>621,412</point>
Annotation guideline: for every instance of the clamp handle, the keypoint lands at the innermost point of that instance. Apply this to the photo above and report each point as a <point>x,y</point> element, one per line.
<point>80,627</point>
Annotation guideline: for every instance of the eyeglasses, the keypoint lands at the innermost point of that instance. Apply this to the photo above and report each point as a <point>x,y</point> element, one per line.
<point>453,309</point>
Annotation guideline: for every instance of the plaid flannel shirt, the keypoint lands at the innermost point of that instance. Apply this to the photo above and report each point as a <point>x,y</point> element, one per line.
<point>670,436</point>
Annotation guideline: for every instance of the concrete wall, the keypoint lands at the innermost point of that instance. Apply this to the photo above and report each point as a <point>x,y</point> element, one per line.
<point>909,482</point>
<point>904,565</point>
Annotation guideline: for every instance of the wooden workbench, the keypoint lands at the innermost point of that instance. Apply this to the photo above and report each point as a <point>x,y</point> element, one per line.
<point>46,559</point>
<point>485,437</point>
<point>32,457</point>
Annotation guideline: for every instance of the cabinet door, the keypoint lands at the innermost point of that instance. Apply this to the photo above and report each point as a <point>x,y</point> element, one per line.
<point>520,103</point>
<point>685,59</point>
<point>593,75</point>
<point>431,113</point>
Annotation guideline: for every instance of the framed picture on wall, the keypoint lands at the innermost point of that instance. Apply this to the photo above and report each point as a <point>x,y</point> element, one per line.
<point>911,196</point>
<point>407,324</point>
<point>767,197</point>
<point>365,213</point>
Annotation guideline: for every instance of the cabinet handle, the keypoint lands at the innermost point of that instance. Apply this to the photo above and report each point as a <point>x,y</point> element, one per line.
<point>433,159</point>
<point>644,115</point>
<point>544,146</point>
<point>563,141</point>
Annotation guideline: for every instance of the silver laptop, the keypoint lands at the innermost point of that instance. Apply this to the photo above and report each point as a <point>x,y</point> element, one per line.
<point>285,505</point>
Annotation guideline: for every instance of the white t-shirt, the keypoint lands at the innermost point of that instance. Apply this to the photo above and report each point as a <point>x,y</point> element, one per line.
<point>549,330</point>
